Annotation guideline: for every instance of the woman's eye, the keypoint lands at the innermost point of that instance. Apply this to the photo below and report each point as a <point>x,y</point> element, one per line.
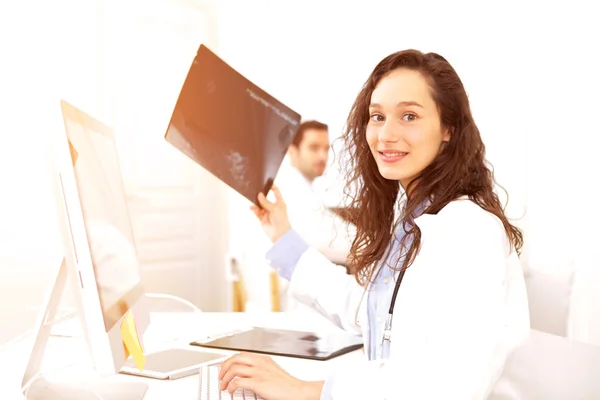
<point>409,117</point>
<point>377,118</point>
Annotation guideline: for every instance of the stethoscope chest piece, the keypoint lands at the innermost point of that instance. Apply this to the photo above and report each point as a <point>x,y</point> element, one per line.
<point>387,332</point>
<point>387,335</point>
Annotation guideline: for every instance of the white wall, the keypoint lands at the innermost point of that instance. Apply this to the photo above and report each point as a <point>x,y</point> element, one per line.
<point>33,70</point>
<point>530,69</point>
<point>69,49</point>
<point>178,209</point>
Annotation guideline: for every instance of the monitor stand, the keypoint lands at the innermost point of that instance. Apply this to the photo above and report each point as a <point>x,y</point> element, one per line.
<point>41,388</point>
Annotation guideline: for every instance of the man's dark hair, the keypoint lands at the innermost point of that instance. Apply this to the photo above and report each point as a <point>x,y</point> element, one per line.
<point>303,127</point>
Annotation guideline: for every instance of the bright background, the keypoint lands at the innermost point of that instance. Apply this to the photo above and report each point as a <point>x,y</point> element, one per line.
<point>530,69</point>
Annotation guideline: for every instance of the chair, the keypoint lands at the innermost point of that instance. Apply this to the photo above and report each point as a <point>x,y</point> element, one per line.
<point>552,364</point>
<point>275,292</point>
<point>240,295</point>
<point>550,367</point>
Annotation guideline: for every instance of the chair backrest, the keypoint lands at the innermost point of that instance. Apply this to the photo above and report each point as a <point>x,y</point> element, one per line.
<point>240,296</point>
<point>584,310</point>
<point>275,300</point>
<point>549,295</point>
<point>550,367</point>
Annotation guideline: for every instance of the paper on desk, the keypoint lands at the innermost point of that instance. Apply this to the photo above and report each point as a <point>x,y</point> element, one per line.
<point>131,341</point>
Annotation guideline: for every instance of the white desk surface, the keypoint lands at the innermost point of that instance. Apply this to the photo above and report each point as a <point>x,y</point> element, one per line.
<point>174,329</point>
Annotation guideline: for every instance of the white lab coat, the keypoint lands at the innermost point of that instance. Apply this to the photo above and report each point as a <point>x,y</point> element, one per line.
<point>319,227</point>
<point>460,310</point>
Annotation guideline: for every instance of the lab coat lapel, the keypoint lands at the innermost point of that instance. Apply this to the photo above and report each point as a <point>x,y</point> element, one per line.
<point>363,316</point>
<point>424,222</point>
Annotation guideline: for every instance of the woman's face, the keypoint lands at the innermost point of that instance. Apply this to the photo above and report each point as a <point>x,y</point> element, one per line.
<point>404,131</point>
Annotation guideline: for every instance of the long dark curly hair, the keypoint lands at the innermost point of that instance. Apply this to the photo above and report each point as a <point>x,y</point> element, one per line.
<point>460,169</point>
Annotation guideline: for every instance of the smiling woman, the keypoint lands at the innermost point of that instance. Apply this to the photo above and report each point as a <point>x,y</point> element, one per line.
<point>427,218</point>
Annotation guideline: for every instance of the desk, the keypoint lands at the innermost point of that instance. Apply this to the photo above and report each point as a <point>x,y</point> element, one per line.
<point>166,330</point>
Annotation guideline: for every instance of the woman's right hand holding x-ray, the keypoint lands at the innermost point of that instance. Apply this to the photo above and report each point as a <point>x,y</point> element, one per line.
<point>273,216</point>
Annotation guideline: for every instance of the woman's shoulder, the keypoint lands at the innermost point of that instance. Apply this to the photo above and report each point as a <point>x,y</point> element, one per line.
<point>463,217</point>
<point>466,208</point>
<point>463,222</point>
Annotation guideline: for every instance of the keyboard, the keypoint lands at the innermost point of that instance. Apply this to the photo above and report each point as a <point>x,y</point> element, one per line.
<point>209,387</point>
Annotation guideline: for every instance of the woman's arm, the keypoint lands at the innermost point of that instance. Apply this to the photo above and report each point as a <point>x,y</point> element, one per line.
<point>317,282</point>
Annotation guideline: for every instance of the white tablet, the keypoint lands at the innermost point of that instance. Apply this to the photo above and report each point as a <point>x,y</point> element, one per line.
<point>173,363</point>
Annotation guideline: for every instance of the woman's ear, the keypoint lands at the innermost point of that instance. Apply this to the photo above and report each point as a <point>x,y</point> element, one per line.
<point>446,135</point>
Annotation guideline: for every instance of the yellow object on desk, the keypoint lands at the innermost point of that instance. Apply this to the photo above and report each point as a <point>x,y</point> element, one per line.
<point>275,304</point>
<point>131,341</point>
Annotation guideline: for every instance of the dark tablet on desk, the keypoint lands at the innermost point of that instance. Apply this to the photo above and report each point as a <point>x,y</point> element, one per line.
<point>279,342</point>
<point>230,126</point>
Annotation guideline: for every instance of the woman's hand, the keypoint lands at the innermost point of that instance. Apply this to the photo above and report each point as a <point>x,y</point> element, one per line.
<point>273,216</point>
<point>266,378</point>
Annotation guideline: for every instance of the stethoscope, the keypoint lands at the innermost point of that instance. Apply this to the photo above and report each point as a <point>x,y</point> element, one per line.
<point>387,332</point>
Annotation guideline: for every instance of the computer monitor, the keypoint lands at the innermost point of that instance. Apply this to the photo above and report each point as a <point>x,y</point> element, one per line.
<point>100,255</point>
<point>101,260</point>
<point>98,236</point>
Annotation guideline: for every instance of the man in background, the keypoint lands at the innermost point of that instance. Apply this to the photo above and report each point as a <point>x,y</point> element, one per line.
<point>322,229</point>
<point>316,224</point>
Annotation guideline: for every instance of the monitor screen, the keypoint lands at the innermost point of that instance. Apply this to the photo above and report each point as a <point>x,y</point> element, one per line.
<point>105,212</point>
<point>230,126</point>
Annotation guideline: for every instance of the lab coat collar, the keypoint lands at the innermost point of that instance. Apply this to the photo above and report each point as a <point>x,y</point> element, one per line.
<point>300,175</point>
<point>425,219</point>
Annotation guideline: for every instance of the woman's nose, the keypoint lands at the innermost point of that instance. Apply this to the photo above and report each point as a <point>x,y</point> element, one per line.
<point>389,132</point>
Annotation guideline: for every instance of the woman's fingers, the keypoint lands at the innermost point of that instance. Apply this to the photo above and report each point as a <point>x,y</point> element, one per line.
<point>277,193</point>
<point>265,203</point>
<point>260,374</point>
<point>241,358</point>
<point>237,383</point>
<point>234,373</point>
<point>257,211</point>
